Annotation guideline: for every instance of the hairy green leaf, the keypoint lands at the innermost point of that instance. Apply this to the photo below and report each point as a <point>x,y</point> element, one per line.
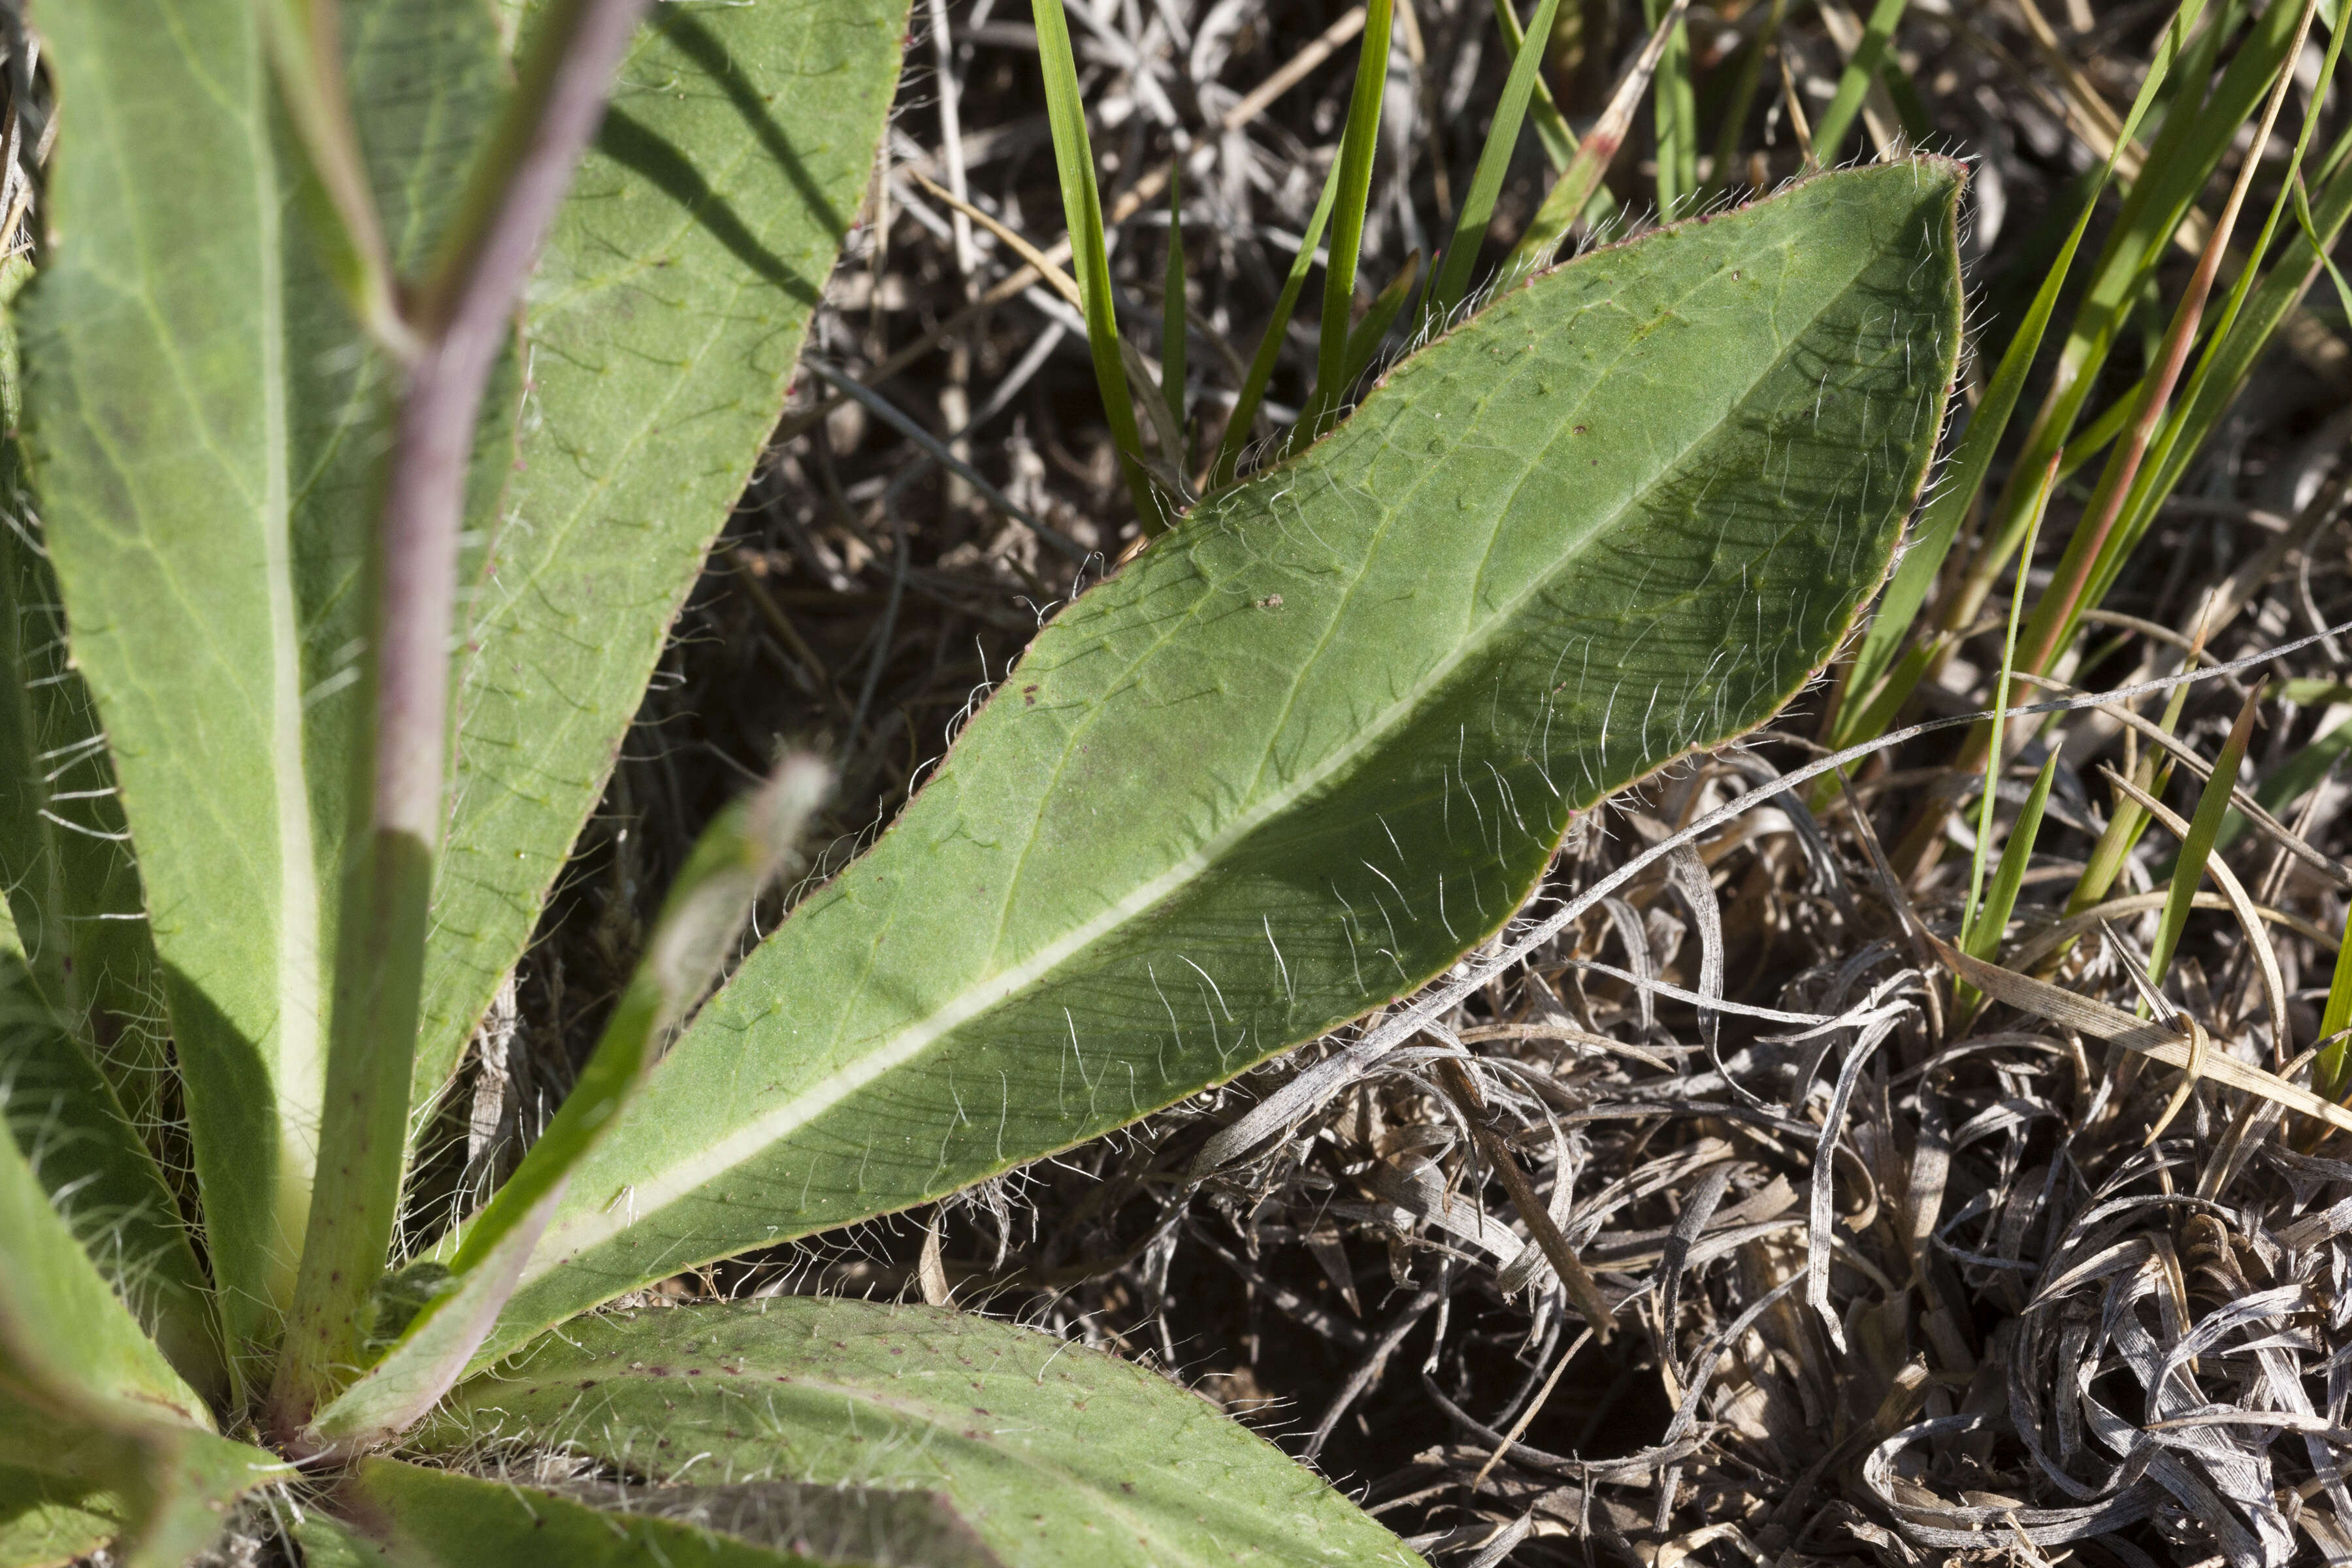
<point>417,1517</point>
<point>205,420</point>
<point>99,1175</point>
<point>1060,1456</point>
<point>65,1334</point>
<point>73,890</point>
<point>662,330</point>
<point>52,1520</point>
<point>1295,760</point>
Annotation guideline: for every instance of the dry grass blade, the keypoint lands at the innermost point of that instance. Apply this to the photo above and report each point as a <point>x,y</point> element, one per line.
<point>2160,1041</point>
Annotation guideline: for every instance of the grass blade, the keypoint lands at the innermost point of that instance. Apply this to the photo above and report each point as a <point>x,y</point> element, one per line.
<point>1675,111</point>
<point>1860,71</point>
<point>1743,92</point>
<point>2197,847</point>
<point>1552,127</point>
<point>1567,199</point>
<point>2329,1074</point>
<point>1358,142</point>
<point>1982,938</point>
<point>1363,342</point>
<point>2000,702</point>
<point>2157,211</point>
<point>1269,345</point>
<point>1074,160</point>
<point>1916,576</point>
<point>1494,162</point>
<point>1172,311</point>
<point>2055,614</point>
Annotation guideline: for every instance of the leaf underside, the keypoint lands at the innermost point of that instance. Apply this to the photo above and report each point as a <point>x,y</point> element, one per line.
<point>1054,1453</point>
<point>1309,748</point>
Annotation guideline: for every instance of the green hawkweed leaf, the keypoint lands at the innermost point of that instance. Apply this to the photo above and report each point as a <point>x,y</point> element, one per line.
<point>1057,1455</point>
<point>662,326</point>
<point>100,1179</point>
<point>1293,761</point>
<point>205,421</point>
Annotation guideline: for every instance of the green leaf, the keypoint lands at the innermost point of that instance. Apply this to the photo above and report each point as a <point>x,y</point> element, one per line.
<point>1059,1456</point>
<point>52,1520</point>
<point>407,1514</point>
<point>73,890</point>
<point>89,1160</point>
<point>85,1394</point>
<point>206,418</point>
<point>663,326</point>
<point>65,1334</point>
<point>1627,510</point>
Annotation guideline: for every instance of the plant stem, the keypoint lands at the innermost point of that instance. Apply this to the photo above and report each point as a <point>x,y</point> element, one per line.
<point>463,319</point>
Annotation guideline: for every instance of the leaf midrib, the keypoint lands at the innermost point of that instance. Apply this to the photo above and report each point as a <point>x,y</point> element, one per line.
<point>747,1141</point>
<point>301,1084</point>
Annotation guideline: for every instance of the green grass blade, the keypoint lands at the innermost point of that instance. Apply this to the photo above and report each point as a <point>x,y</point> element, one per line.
<point>2092,549</point>
<point>2001,705</point>
<point>2187,424</point>
<point>1075,1439</point>
<point>1573,194</point>
<point>1364,341</point>
<point>1984,936</point>
<point>1494,163</point>
<point>1674,112</point>
<point>1269,345</point>
<point>1551,126</point>
<point>1861,70</point>
<point>1172,311</point>
<point>2198,847</point>
<point>2330,1075</point>
<point>1358,142</point>
<point>2188,149</point>
<point>1914,577</point>
<point>1440,616</point>
<point>1074,159</point>
<point>1743,92</point>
